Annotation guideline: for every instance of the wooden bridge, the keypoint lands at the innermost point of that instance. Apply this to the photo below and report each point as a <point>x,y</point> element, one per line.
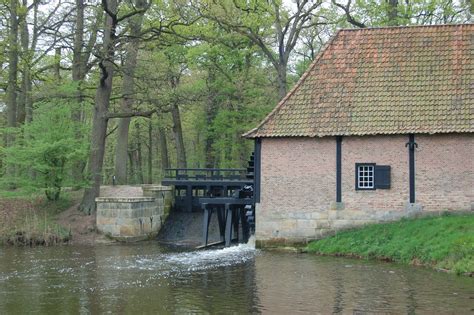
<point>226,192</point>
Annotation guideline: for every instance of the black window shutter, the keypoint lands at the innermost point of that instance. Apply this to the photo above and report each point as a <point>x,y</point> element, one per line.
<point>382,176</point>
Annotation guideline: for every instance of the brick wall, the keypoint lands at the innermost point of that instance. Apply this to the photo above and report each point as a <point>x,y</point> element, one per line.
<point>298,182</point>
<point>297,186</point>
<point>445,172</point>
<point>382,150</point>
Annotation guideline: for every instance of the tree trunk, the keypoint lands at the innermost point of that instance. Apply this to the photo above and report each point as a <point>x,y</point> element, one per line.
<point>28,87</point>
<point>78,47</point>
<point>11,98</point>
<point>77,77</point>
<point>102,101</point>
<point>211,111</point>
<point>139,160</point>
<point>12,70</point>
<point>178,136</point>
<point>128,91</point>
<point>165,162</point>
<point>120,170</point>
<point>80,58</point>
<point>282,82</point>
<point>392,12</point>
<point>25,80</point>
<point>150,153</point>
<point>131,173</point>
<point>57,65</point>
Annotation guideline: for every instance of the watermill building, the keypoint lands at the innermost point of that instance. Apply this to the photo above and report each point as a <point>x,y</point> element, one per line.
<point>379,127</point>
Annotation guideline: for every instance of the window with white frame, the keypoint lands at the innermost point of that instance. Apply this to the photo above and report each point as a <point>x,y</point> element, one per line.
<point>365,178</point>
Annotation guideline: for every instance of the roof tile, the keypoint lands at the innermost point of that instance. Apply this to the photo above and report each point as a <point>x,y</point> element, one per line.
<point>382,81</point>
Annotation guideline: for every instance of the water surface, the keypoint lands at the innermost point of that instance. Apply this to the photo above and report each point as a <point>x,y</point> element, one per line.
<point>150,278</point>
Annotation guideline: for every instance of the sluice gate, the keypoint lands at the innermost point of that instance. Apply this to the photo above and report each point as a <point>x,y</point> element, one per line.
<point>227,193</point>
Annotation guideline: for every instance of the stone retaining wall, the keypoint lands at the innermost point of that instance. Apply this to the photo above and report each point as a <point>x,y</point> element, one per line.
<point>134,218</point>
<point>164,193</point>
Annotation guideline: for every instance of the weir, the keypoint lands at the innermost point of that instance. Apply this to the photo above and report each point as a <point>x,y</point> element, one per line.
<point>227,193</point>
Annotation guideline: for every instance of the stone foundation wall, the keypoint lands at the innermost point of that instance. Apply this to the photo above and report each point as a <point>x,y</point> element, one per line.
<point>163,193</point>
<point>298,183</point>
<point>133,218</point>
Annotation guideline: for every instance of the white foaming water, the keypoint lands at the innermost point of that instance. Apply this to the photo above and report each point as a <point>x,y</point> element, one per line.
<point>167,263</point>
<point>251,241</point>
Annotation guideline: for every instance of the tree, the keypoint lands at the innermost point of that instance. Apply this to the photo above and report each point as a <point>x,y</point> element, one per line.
<point>101,106</point>
<point>411,12</point>
<point>81,53</point>
<point>101,114</point>
<point>49,147</point>
<point>12,87</point>
<point>128,91</point>
<point>176,66</point>
<point>267,24</point>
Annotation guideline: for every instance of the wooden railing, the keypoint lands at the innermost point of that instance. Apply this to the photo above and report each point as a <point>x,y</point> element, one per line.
<point>206,173</point>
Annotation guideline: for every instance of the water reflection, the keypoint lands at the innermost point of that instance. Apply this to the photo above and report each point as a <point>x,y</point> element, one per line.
<point>148,278</point>
<point>326,285</point>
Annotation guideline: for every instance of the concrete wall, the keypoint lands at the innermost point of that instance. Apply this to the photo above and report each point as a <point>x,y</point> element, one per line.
<point>298,189</point>
<point>133,218</point>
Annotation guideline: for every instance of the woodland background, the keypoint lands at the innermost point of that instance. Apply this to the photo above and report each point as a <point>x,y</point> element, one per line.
<point>90,89</point>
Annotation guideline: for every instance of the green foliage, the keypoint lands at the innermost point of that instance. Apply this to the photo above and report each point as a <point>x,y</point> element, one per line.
<point>444,242</point>
<point>45,149</point>
<point>214,59</point>
<point>417,12</point>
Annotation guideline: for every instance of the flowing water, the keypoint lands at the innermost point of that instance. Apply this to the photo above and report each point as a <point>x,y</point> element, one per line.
<point>150,278</point>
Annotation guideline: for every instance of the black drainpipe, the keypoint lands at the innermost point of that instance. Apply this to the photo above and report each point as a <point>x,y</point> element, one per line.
<point>411,144</point>
<point>338,169</point>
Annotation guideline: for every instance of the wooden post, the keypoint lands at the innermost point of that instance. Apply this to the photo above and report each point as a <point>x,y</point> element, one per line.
<point>228,225</point>
<point>207,219</point>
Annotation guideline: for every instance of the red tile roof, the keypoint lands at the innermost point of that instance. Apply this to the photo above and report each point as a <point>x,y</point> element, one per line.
<point>396,80</point>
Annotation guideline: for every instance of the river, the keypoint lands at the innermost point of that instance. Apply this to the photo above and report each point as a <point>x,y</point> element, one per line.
<point>151,278</point>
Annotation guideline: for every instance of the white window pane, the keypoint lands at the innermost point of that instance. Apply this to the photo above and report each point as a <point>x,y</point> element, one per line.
<point>365,176</point>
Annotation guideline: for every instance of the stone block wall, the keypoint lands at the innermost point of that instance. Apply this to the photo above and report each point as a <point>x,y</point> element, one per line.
<point>163,193</point>
<point>298,183</point>
<point>133,218</point>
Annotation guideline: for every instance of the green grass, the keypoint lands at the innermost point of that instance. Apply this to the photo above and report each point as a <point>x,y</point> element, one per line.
<point>30,220</point>
<point>444,242</point>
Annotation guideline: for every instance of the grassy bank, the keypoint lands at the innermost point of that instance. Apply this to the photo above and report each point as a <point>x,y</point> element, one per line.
<point>445,242</point>
<point>30,220</point>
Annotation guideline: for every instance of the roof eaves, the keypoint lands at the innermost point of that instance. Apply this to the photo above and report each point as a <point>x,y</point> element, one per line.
<point>407,26</point>
<point>374,133</point>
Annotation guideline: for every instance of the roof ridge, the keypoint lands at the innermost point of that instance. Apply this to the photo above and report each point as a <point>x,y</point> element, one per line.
<point>295,87</point>
<point>405,26</point>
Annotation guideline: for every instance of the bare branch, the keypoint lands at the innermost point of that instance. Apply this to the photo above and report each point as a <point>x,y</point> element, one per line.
<point>347,12</point>
<point>131,114</point>
<point>111,131</point>
<point>135,12</point>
